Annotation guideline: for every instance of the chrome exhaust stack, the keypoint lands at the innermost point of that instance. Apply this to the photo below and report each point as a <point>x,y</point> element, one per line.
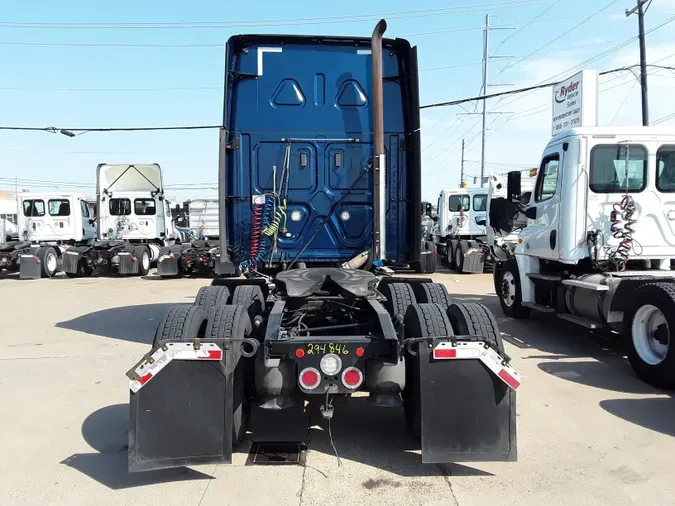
<point>379,159</point>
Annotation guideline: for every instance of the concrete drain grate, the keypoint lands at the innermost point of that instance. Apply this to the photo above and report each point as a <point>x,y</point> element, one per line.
<point>276,454</point>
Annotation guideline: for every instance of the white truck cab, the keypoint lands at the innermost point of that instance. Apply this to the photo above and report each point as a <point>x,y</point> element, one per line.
<point>48,225</point>
<point>598,241</point>
<point>459,233</point>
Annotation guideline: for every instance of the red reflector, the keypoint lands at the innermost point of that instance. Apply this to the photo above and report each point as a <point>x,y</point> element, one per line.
<point>299,353</point>
<point>145,378</point>
<point>508,379</point>
<point>213,355</point>
<point>352,377</point>
<point>188,260</point>
<point>360,352</point>
<point>309,378</point>
<point>445,353</point>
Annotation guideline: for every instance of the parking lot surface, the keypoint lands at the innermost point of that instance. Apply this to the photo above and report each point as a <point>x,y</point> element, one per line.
<point>589,432</point>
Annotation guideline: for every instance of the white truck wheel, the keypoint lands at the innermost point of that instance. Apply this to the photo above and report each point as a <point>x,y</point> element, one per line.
<point>648,328</point>
<point>507,282</point>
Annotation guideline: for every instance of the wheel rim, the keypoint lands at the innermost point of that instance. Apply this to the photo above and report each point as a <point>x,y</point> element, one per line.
<point>51,262</point>
<point>146,260</point>
<point>508,288</point>
<point>651,335</point>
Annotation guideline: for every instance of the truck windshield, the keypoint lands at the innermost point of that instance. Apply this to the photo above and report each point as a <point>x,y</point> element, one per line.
<point>480,203</point>
<point>144,207</point>
<point>33,208</point>
<point>60,207</point>
<point>665,168</point>
<point>459,203</point>
<point>120,207</point>
<point>618,168</point>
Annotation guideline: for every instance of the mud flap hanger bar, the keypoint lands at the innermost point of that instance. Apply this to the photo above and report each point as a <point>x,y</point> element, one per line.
<point>469,348</point>
<point>166,351</point>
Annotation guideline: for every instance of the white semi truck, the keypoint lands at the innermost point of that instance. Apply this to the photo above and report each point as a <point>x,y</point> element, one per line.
<point>133,222</point>
<point>459,233</point>
<point>49,224</point>
<point>599,238</point>
<point>199,251</point>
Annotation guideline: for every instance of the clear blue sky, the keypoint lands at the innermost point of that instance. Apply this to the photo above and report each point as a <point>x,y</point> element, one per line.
<point>71,84</point>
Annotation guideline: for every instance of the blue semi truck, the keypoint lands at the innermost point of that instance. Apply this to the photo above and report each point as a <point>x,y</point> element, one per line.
<point>320,151</point>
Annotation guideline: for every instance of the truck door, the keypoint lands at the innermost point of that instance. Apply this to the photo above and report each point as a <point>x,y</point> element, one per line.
<point>88,223</point>
<point>541,239</point>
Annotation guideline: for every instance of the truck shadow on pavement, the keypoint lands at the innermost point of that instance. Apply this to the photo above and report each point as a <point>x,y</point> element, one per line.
<point>136,324</point>
<point>106,431</point>
<point>381,442</point>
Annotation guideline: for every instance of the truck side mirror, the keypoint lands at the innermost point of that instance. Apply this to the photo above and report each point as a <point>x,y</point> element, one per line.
<point>531,213</point>
<point>481,221</point>
<point>513,186</point>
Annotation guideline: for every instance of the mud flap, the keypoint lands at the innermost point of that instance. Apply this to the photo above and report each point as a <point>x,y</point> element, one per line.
<point>178,416</point>
<point>70,261</point>
<point>167,266</point>
<point>467,413</point>
<point>128,263</point>
<point>474,261</point>
<point>29,267</point>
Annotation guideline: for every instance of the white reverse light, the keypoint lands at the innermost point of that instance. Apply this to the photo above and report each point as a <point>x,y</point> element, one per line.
<point>296,216</point>
<point>331,364</point>
<point>344,215</point>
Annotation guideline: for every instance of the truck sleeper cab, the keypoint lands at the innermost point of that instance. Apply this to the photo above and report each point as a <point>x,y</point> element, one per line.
<point>321,333</point>
<point>48,225</point>
<point>599,241</point>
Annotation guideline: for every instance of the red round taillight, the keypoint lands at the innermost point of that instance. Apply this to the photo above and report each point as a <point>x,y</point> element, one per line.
<point>352,378</point>
<point>360,352</point>
<point>309,378</point>
<point>299,353</point>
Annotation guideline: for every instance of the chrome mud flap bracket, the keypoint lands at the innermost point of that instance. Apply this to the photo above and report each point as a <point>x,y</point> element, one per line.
<point>181,406</point>
<point>29,266</point>
<point>468,404</point>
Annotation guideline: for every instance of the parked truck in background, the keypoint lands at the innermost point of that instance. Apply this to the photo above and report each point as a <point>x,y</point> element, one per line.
<point>199,250</point>
<point>133,222</point>
<point>321,333</point>
<point>49,224</point>
<point>599,239</point>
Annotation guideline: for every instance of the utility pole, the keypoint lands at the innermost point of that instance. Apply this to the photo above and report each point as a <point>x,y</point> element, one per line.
<point>484,113</point>
<point>643,56</point>
<point>461,178</point>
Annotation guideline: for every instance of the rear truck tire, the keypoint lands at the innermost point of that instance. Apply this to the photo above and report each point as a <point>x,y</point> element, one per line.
<point>181,322</point>
<point>399,297</point>
<point>473,319</point>
<point>509,292</point>
<point>84,270</point>
<point>233,322</point>
<point>49,261</point>
<point>432,293</point>
<point>421,320</point>
<point>454,243</point>
<point>212,296</point>
<point>142,254</point>
<point>460,251</point>
<point>648,332</point>
<point>251,297</point>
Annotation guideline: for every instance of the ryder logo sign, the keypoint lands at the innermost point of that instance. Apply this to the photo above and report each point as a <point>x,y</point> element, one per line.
<point>575,102</point>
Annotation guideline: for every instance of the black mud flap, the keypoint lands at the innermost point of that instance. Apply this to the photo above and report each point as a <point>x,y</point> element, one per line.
<point>468,414</point>
<point>167,266</point>
<point>29,267</point>
<point>70,261</point>
<point>474,262</point>
<point>128,263</point>
<point>178,418</point>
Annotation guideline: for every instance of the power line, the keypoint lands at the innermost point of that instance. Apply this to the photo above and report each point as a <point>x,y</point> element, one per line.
<point>357,18</point>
